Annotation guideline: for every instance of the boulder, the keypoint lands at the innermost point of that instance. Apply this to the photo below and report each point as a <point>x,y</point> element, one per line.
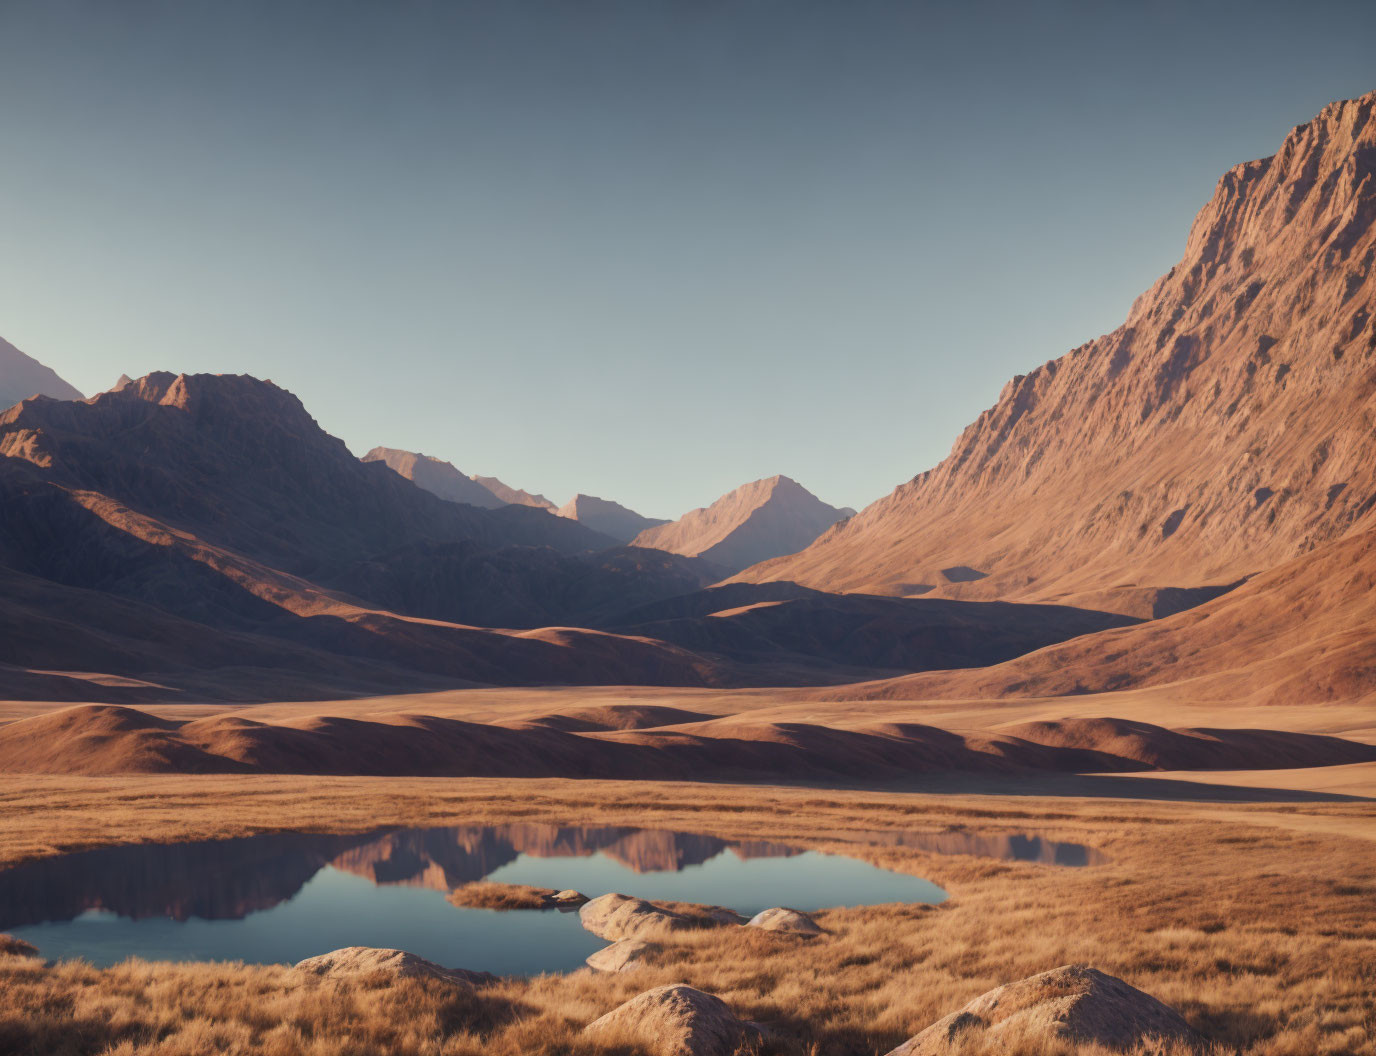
<point>615,916</point>
<point>675,1021</point>
<point>369,960</point>
<point>1075,1004</point>
<point>624,956</point>
<point>569,897</point>
<point>789,921</point>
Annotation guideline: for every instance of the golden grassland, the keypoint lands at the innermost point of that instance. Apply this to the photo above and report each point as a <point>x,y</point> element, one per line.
<point>1261,933</point>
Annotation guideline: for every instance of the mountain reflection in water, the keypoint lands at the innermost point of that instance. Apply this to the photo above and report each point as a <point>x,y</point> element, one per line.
<point>230,879</point>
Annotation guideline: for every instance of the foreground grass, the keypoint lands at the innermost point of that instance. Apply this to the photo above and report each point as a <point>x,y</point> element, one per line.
<point>1263,936</point>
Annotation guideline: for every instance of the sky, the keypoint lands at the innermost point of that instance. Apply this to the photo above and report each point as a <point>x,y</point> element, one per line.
<point>642,250</point>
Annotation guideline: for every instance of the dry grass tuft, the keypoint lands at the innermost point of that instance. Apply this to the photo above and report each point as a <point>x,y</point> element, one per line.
<point>482,894</point>
<point>12,947</point>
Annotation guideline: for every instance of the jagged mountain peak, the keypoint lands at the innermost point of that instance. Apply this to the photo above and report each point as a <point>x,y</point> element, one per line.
<point>761,519</point>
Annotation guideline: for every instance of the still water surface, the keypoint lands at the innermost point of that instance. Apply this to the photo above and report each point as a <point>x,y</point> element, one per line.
<point>283,897</point>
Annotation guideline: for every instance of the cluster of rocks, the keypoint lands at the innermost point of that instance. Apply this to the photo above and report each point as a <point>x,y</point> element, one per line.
<point>1073,1004</point>
<point>630,923</point>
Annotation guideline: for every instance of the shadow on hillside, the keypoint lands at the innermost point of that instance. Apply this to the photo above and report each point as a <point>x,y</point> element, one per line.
<point>1109,786</point>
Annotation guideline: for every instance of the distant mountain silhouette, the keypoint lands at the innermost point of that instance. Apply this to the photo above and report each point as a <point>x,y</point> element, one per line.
<point>607,517</point>
<point>755,522</point>
<point>435,476</point>
<point>22,376</point>
<point>513,495</point>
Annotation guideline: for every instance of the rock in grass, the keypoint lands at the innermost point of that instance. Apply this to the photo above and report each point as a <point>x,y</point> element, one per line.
<point>1074,1003</point>
<point>614,917</point>
<point>369,960</point>
<point>624,956</point>
<point>675,1021</point>
<point>789,921</point>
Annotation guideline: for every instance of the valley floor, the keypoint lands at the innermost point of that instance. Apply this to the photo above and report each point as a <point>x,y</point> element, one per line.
<point>1253,919</point>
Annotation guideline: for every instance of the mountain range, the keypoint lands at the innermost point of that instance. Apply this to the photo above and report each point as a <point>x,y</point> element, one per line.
<point>200,534</point>
<point>760,520</point>
<point>1188,501</point>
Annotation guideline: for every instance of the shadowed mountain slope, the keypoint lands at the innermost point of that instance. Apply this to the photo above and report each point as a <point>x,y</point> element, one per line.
<point>522,587</point>
<point>204,535</point>
<point>23,376</point>
<point>435,476</point>
<point>1223,429</point>
<point>1299,632</point>
<point>240,463</point>
<point>759,624</point>
<point>756,521</point>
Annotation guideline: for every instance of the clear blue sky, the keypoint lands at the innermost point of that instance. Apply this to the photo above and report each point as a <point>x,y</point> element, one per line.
<point>646,250</point>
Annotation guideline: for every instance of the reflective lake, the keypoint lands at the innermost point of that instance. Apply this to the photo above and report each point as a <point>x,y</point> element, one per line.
<point>283,897</point>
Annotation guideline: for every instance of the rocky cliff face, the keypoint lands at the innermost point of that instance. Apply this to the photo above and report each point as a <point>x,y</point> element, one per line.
<point>755,522</point>
<point>22,376</point>
<point>607,517</point>
<point>1224,428</point>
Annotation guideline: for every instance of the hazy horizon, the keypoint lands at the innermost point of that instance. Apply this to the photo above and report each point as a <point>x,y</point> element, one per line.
<point>645,252</point>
